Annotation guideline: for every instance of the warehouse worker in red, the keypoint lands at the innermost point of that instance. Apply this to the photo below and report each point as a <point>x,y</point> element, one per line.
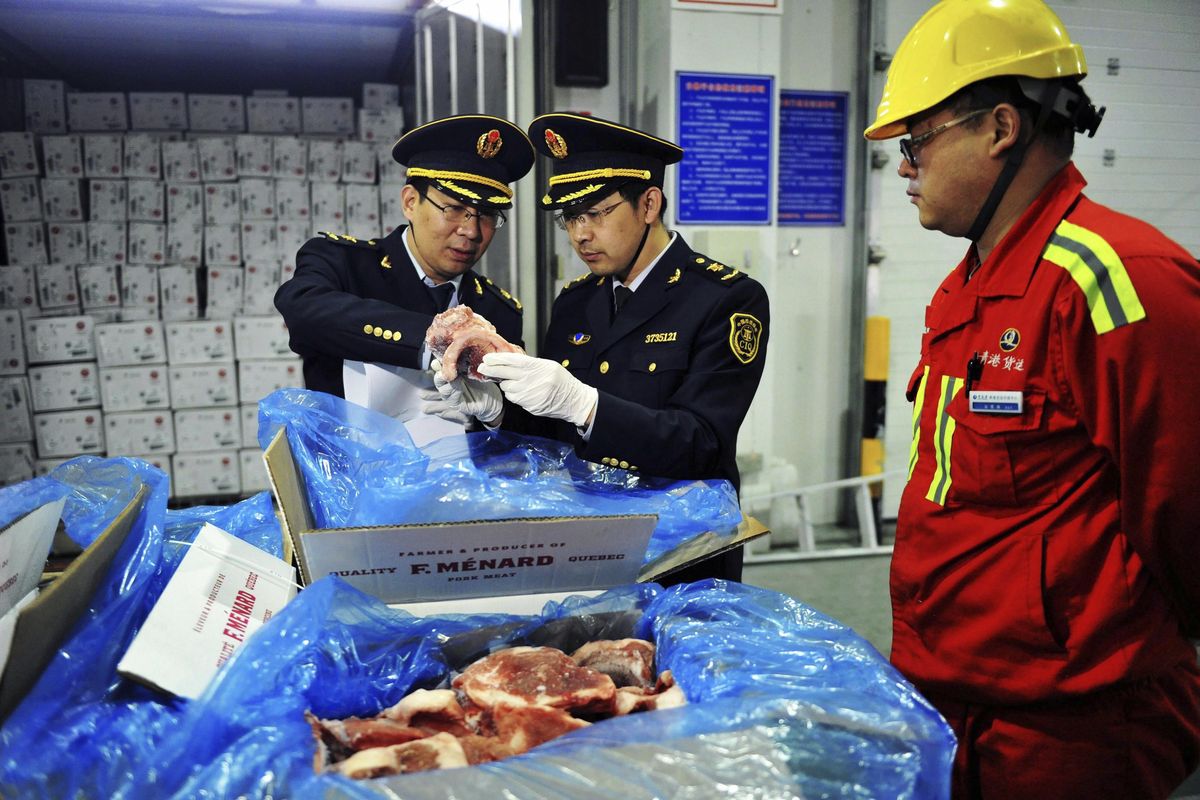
<point>1044,577</point>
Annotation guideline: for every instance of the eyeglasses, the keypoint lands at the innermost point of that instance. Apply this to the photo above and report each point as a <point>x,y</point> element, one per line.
<point>910,146</point>
<point>461,215</point>
<point>593,217</point>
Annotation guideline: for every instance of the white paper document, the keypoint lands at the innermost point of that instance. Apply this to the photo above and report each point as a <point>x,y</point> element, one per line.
<point>222,592</point>
<point>396,391</point>
<point>24,546</point>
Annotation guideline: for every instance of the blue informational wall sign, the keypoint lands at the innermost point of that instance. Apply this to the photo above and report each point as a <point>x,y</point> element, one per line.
<point>725,127</point>
<point>812,158</point>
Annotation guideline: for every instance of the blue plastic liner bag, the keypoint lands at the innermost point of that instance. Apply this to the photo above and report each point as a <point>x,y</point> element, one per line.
<point>784,702</point>
<point>361,468</point>
<point>83,730</point>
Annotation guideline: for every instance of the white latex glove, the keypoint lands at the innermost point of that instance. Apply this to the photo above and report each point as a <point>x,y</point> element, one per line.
<point>542,387</point>
<point>468,398</point>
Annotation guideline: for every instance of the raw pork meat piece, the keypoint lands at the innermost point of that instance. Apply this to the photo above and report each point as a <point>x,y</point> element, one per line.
<point>434,710</point>
<point>526,727</point>
<point>629,662</point>
<point>535,676</point>
<point>460,338</point>
<point>437,752</point>
<point>665,694</point>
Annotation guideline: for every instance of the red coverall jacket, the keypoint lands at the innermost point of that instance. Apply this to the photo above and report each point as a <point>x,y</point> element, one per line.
<point>1053,552</point>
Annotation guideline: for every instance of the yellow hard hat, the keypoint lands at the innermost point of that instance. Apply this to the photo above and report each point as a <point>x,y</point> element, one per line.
<point>959,42</point>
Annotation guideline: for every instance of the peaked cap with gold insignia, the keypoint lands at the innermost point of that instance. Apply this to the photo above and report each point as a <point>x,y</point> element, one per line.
<point>592,157</point>
<point>471,157</point>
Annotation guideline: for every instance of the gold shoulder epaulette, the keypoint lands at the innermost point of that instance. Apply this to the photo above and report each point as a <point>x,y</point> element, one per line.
<point>503,294</point>
<point>347,239</point>
<point>577,282</point>
<point>715,270</point>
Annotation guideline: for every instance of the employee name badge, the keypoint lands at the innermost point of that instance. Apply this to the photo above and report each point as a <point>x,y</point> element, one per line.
<point>995,402</point>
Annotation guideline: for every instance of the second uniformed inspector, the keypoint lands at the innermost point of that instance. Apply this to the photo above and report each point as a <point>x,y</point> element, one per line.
<point>372,300</point>
<point>651,358</point>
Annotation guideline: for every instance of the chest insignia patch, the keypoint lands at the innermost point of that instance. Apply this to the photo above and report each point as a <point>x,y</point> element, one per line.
<point>1010,339</point>
<point>386,262</point>
<point>744,333</point>
<point>580,338</point>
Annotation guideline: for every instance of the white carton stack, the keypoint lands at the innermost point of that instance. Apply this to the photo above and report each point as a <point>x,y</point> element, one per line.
<point>204,391</point>
<point>265,363</point>
<point>135,389</point>
<point>64,391</point>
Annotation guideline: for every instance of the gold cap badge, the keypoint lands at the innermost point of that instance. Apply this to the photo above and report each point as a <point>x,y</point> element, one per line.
<point>489,144</point>
<point>556,143</point>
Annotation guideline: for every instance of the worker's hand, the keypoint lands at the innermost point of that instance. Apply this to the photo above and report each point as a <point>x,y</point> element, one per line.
<point>542,387</point>
<point>468,398</point>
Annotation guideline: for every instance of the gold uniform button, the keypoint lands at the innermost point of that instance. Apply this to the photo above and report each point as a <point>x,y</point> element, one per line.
<point>387,335</point>
<point>624,465</point>
<point>603,367</point>
<point>367,328</point>
<point>396,336</point>
<point>632,468</point>
<point>566,362</point>
<point>652,366</point>
<point>377,331</point>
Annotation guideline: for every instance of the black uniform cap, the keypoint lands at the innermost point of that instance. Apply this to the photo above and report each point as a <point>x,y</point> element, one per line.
<point>472,157</point>
<point>594,157</point>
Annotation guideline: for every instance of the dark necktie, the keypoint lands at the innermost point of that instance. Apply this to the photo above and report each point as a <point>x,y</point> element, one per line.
<point>621,295</point>
<point>442,293</point>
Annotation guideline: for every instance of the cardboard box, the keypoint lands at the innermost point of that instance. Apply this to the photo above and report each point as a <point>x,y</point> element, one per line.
<point>20,200</point>
<point>18,287</point>
<point>139,286</point>
<point>68,242</point>
<point>16,410</point>
<point>62,387</point>
<point>125,344</point>
<point>255,158</point>
<point>327,115</point>
<point>380,126</point>
<point>217,112</point>
<point>222,203</point>
<point>201,342</point>
<point>439,562</point>
<point>43,625</point>
<point>259,241</point>
<point>391,172</point>
<point>329,207</point>
<point>97,111</point>
<point>106,241</point>
<point>158,111</point>
<point>290,236</point>
<point>12,343</point>
<point>25,243</point>
<point>358,162</point>
<point>147,243</point>
<point>69,433</point>
<point>224,285</point>
<point>180,292</point>
<point>185,244</point>
<point>146,201</point>
<point>62,199</point>
<point>185,202</point>
<point>324,161</point>
<point>143,156</point>
<point>273,114</point>
<point>254,475</point>
<point>292,200</point>
<point>181,161</point>
<point>218,158</point>
<point>201,429</point>
<point>103,156</point>
<point>258,199</point>
<point>98,286</point>
<point>62,156</point>
<point>291,158</point>
<point>108,201</point>
<point>53,339</point>
<point>57,285</point>
<point>261,337</point>
<point>206,474</point>
<point>203,385</point>
<point>258,378</point>
<point>380,95</point>
<point>362,211</point>
<point>223,244</point>
<point>134,388</point>
<point>249,417</point>
<point>16,463</point>
<point>45,106</point>
<point>131,432</point>
<point>260,280</point>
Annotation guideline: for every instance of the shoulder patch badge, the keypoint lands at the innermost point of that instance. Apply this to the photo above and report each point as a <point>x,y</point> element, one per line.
<point>348,240</point>
<point>715,270</point>
<point>744,333</point>
<point>577,282</point>
<point>503,294</point>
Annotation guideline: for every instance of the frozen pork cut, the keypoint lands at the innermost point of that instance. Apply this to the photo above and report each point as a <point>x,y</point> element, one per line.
<point>460,338</point>
<point>629,662</point>
<point>535,676</point>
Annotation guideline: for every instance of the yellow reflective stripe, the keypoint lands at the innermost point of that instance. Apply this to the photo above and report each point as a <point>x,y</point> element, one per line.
<point>943,438</point>
<point>918,404</point>
<point>1097,270</point>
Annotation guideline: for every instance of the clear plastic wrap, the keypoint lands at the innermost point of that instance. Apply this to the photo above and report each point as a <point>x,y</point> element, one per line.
<point>361,468</point>
<point>82,729</point>
<point>783,702</point>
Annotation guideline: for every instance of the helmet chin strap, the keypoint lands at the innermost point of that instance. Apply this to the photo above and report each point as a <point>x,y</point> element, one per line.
<point>1016,155</point>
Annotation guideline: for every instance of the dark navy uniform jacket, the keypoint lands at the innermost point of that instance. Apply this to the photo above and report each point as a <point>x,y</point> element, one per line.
<point>362,300</point>
<point>676,371</point>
